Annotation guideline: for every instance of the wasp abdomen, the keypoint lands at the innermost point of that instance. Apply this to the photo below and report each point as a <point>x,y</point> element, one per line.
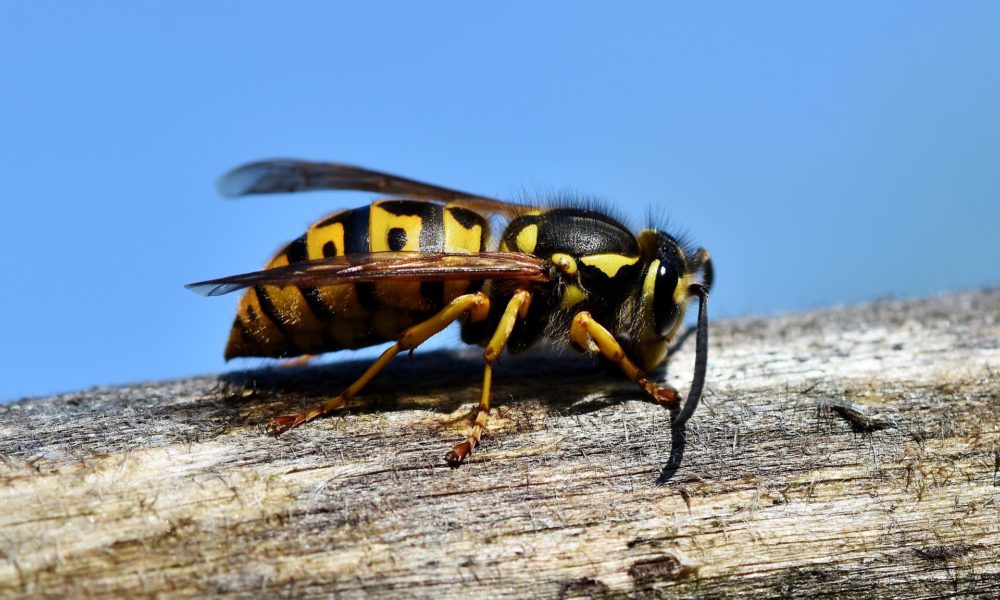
<point>289,321</point>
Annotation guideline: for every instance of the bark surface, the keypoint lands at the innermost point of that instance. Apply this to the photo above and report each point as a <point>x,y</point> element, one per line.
<point>846,452</point>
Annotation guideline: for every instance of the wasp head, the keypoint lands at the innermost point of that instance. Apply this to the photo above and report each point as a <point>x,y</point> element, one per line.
<point>667,283</point>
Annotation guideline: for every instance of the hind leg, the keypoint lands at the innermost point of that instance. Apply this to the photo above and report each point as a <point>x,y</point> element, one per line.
<point>477,305</point>
<point>298,361</point>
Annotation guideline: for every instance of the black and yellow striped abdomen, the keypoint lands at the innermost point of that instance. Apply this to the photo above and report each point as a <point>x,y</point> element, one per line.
<point>292,321</point>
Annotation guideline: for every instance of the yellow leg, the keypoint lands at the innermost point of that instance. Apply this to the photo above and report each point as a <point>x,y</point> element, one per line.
<point>478,307</point>
<point>516,308</point>
<point>298,361</point>
<point>456,455</point>
<point>591,335</point>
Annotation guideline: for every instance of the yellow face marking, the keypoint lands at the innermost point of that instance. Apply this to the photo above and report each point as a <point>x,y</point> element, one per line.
<point>320,240</point>
<point>652,348</point>
<point>652,354</point>
<point>681,299</point>
<point>609,264</point>
<point>565,263</point>
<point>681,291</point>
<point>527,238</point>
<point>572,296</point>
<point>648,285</point>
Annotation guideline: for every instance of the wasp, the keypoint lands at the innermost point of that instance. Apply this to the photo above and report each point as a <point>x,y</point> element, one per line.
<point>409,265</point>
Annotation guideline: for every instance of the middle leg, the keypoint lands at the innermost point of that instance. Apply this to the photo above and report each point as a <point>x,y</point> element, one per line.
<point>516,308</point>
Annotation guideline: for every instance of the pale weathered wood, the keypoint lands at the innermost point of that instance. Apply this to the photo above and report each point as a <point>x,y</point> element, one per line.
<point>838,453</point>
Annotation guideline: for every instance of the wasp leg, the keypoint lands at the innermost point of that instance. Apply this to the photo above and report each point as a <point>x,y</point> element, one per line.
<point>477,305</point>
<point>298,361</point>
<point>516,308</point>
<point>591,335</point>
<point>456,455</point>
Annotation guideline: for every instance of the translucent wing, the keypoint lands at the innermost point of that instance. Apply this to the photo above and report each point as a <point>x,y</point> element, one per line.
<point>272,176</point>
<point>397,266</point>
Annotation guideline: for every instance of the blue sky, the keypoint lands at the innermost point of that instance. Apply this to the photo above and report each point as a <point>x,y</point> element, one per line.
<point>825,155</point>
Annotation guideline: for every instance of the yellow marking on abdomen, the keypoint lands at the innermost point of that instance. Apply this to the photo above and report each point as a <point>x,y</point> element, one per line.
<point>458,238</point>
<point>381,222</point>
<point>325,241</point>
<point>609,264</point>
<point>295,314</point>
<point>401,295</point>
<point>259,325</point>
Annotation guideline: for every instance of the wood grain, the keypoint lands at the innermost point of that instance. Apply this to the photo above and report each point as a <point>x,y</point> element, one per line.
<point>840,453</point>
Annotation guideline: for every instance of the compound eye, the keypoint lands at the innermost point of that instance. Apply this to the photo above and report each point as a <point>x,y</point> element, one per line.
<point>665,310</point>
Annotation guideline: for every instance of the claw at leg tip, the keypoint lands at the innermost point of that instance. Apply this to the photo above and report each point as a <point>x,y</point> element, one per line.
<point>457,455</point>
<point>668,396</point>
<point>453,459</point>
<point>282,424</point>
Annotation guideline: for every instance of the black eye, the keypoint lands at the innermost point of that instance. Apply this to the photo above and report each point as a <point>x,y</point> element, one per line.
<point>664,307</point>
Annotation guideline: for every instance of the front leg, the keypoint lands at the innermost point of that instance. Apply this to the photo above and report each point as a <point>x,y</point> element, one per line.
<point>590,335</point>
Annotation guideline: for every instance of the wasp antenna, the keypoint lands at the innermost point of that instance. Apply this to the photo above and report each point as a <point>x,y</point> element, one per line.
<point>700,354</point>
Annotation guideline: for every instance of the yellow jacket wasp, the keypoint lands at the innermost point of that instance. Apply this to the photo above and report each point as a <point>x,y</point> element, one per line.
<point>405,268</point>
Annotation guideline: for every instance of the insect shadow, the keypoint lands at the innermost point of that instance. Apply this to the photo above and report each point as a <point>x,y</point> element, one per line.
<point>440,381</point>
<point>616,394</point>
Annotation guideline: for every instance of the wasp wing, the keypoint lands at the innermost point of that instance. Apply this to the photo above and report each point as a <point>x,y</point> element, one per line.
<point>397,266</point>
<point>272,176</point>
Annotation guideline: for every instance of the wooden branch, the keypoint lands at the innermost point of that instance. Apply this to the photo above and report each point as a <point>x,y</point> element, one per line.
<point>836,453</point>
